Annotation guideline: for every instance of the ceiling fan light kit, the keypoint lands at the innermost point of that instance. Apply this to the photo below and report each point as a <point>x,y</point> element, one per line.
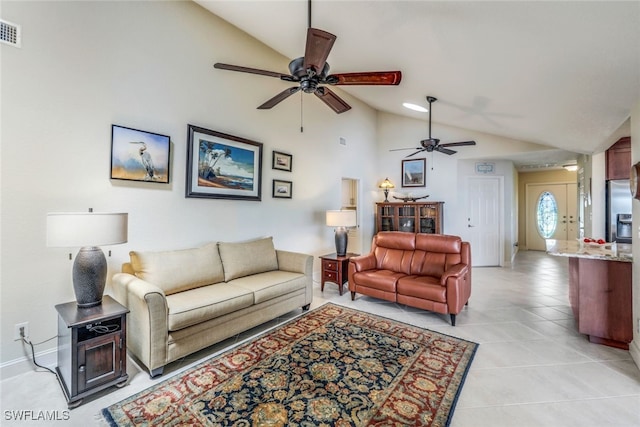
<point>433,144</point>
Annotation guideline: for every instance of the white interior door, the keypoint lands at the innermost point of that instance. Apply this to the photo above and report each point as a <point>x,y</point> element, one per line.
<point>484,220</point>
<point>552,213</point>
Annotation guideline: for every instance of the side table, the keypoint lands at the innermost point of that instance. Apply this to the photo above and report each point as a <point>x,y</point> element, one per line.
<point>92,350</point>
<point>335,269</point>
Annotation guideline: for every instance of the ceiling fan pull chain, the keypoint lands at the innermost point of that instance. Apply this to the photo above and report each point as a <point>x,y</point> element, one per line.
<point>301,115</point>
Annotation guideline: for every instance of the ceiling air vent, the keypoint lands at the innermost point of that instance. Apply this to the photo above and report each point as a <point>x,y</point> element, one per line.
<point>10,33</point>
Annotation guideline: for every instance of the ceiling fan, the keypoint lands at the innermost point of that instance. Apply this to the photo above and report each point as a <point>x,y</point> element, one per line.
<point>433,144</point>
<point>311,71</point>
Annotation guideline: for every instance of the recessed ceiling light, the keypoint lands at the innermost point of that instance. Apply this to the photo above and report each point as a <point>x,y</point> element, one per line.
<point>415,107</point>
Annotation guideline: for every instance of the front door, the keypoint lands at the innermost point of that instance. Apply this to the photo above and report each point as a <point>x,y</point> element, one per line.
<point>484,220</point>
<point>552,213</point>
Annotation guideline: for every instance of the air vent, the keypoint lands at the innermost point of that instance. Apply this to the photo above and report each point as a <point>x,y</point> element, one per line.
<point>10,33</point>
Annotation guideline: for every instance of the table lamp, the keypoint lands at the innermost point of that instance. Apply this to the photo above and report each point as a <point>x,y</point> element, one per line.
<point>341,220</point>
<point>87,230</point>
<point>386,185</point>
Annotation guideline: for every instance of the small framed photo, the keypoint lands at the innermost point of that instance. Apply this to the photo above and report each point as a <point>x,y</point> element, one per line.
<point>222,166</point>
<point>137,155</point>
<point>413,172</point>
<point>281,161</point>
<point>282,189</point>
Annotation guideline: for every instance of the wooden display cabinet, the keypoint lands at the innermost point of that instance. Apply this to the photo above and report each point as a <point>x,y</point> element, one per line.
<point>92,351</point>
<point>414,217</point>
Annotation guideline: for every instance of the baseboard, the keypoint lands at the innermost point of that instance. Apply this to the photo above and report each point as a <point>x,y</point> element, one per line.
<point>634,350</point>
<point>48,358</point>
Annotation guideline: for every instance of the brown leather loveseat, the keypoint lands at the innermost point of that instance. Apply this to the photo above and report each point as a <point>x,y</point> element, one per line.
<point>427,271</point>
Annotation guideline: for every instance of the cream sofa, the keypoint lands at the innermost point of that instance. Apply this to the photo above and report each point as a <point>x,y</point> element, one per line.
<point>185,300</point>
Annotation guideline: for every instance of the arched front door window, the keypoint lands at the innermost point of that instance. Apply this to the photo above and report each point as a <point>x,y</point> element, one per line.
<point>547,218</point>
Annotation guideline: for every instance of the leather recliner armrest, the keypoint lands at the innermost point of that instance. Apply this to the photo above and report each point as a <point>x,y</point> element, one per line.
<point>364,262</point>
<point>457,270</point>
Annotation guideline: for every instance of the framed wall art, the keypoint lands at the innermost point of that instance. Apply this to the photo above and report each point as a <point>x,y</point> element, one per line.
<point>413,172</point>
<point>222,166</point>
<point>281,161</point>
<point>282,189</point>
<point>137,155</point>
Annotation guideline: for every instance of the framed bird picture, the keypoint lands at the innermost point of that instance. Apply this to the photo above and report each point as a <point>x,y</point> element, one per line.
<point>137,155</point>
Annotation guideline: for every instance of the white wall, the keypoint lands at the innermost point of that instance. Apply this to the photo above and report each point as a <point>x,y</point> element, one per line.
<point>149,65</point>
<point>635,289</point>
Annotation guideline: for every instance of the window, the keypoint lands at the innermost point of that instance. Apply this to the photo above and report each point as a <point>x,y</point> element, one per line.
<point>547,218</point>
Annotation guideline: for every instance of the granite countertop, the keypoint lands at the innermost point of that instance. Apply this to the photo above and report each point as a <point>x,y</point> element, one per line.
<point>579,249</point>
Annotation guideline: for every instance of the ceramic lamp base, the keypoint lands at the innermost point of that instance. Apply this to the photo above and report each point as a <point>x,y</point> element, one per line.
<point>341,241</point>
<point>89,276</point>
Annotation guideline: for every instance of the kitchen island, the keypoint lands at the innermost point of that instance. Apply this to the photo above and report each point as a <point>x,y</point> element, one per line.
<point>599,289</point>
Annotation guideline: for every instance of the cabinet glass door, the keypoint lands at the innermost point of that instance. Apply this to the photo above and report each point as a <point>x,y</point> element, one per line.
<point>407,218</point>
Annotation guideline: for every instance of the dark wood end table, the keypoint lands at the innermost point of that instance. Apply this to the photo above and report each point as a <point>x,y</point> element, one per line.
<point>335,269</point>
<point>92,349</point>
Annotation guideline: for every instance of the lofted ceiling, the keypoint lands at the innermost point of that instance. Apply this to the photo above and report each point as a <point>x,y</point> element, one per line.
<point>561,74</point>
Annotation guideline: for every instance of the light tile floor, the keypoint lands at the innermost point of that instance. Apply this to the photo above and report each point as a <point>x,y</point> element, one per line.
<point>532,367</point>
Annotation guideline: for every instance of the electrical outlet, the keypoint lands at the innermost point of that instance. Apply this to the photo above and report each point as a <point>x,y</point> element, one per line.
<point>18,327</point>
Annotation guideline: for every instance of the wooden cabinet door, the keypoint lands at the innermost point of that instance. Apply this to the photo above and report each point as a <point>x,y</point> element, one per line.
<point>618,159</point>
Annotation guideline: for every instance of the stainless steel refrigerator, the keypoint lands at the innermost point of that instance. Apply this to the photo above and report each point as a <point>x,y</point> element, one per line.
<point>618,211</point>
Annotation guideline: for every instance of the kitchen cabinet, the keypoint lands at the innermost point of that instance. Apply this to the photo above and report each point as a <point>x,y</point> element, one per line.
<point>618,159</point>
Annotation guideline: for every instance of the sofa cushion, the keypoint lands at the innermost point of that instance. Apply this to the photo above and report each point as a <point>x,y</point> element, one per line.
<point>435,253</point>
<point>423,287</point>
<point>383,280</point>
<point>245,258</point>
<point>205,303</point>
<point>271,284</point>
<point>176,271</point>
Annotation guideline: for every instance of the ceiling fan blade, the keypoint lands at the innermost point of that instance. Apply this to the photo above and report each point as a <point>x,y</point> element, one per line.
<point>458,144</point>
<point>229,67</point>
<point>319,44</point>
<point>334,102</point>
<point>403,149</point>
<point>445,150</point>
<point>366,78</point>
<point>279,98</point>
<point>413,154</point>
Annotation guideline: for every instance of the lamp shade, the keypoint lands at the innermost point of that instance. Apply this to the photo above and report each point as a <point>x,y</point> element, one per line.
<point>386,184</point>
<point>77,229</point>
<point>346,218</point>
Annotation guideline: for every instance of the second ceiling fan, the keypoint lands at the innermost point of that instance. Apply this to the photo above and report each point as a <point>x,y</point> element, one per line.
<point>311,71</point>
<point>433,144</point>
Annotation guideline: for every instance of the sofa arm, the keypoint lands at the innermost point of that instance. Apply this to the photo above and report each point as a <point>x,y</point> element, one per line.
<point>363,262</point>
<point>458,283</point>
<point>147,323</point>
<point>295,262</point>
<point>454,271</point>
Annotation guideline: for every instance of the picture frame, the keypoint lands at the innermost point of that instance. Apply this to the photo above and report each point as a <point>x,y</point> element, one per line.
<point>282,189</point>
<point>222,166</point>
<point>281,161</point>
<point>138,155</point>
<point>413,172</point>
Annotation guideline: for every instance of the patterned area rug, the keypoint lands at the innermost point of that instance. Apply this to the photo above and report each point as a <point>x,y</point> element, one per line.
<point>332,366</point>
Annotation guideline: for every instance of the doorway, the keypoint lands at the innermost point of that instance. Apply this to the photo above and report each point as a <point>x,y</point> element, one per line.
<point>484,220</point>
<point>350,200</point>
<point>551,213</point>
